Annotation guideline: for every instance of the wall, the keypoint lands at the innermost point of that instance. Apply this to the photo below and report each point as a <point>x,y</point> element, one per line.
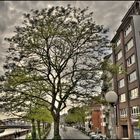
<point>136,21</point>
<point>96,120</point>
<point>12,136</point>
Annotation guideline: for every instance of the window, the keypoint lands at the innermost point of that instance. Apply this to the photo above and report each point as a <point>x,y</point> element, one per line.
<point>128,30</point>
<point>132,76</point>
<point>123,113</point>
<point>120,69</point>
<point>131,60</point>
<point>119,55</point>
<point>118,42</point>
<point>129,45</point>
<point>122,98</point>
<point>121,83</point>
<point>135,110</point>
<point>133,93</point>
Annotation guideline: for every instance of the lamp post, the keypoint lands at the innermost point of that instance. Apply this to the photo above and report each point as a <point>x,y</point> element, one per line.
<point>111,97</point>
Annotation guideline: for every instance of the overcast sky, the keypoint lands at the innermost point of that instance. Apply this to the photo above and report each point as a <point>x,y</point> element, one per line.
<point>107,13</point>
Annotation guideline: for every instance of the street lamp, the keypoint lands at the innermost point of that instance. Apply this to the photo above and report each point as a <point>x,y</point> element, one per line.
<point>111,97</point>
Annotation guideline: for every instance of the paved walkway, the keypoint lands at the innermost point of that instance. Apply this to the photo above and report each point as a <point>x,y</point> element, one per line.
<point>9,131</point>
<point>69,133</point>
<point>50,136</point>
<point>72,133</point>
<point>21,137</point>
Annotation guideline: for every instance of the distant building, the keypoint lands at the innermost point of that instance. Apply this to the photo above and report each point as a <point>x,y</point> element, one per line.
<point>126,54</point>
<point>96,118</point>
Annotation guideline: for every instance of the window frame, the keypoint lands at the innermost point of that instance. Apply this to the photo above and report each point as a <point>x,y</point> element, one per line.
<point>135,110</point>
<point>123,99</point>
<point>120,85</point>
<point>129,78</point>
<point>120,69</point>
<point>118,58</point>
<point>129,60</point>
<point>129,26</point>
<point>136,92</point>
<point>123,113</point>
<point>126,46</point>
<point>118,41</point>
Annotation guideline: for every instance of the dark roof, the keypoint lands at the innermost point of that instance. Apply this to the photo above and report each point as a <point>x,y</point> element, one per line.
<point>127,16</point>
<point>128,12</point>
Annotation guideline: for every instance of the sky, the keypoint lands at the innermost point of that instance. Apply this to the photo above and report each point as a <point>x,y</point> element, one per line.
<point>107,13</point>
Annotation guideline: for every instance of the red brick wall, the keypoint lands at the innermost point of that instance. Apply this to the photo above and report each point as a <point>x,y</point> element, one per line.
<point>96,120</point>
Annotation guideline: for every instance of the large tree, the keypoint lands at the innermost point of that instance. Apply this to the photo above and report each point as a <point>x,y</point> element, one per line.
<point>60,49</point>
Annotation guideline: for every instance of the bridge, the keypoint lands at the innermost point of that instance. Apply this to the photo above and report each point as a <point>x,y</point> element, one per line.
<point>14,123</point>
<point>15,126</point>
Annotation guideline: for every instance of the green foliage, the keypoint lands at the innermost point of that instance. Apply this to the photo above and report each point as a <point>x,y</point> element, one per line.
<point>76,115</point>
<point>28,137</point>
<point>109,70</point>
<point>106,65</point>
<point>41,114</point>
<point>139,122</point>
<point>98,100</point>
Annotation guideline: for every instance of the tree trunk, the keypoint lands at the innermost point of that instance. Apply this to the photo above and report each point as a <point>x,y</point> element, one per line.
<point>33,129</point>
<point>43,126</point>
<point>56,126</point>
<point>38,127</point>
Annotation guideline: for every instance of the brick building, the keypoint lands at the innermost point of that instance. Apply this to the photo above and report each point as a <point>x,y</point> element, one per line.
<point>96,118</point>
<point>126,54</point>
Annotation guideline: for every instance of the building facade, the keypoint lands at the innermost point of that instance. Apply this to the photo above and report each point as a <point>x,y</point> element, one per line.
<point>126,54</point>
<point>96,119</point>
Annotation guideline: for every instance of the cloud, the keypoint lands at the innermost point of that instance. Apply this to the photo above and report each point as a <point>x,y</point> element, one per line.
<point>108,13</point>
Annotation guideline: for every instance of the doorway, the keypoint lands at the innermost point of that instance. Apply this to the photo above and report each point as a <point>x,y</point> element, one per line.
<point>125,131</point>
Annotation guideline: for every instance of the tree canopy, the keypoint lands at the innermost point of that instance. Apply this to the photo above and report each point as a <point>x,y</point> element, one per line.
<point>54,56</point>
<point>41,114</point>
<point>76,115</point>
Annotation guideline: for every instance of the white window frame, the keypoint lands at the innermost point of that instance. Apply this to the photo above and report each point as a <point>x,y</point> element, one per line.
<point>134,93</point>
<point>122,98</point>
<point>121,84</point>
<point>118,41</point>
<point>129,44</point>
<point>135,111</point>
<point>131,60</point>
<point>128,30</point>
<point>123,113</point>
<point>132,76</point>
<point>120,69</point>
<point>119,55</point>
